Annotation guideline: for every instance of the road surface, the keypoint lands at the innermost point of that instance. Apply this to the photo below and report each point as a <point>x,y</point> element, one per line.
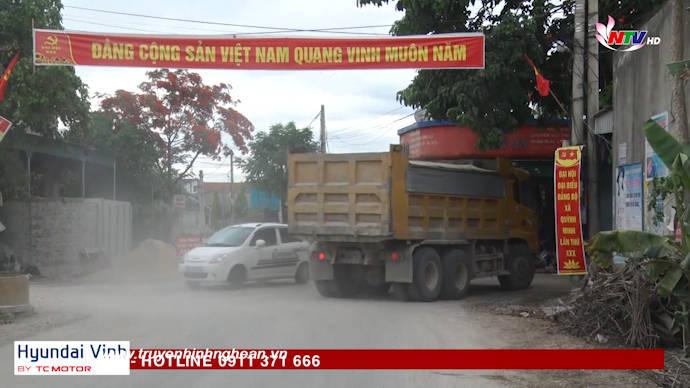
<point>166,314</point>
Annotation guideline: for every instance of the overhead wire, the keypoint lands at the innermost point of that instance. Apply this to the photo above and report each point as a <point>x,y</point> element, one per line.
<point>274,29</point>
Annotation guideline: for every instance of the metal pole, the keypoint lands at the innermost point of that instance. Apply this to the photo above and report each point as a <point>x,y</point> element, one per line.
<point>322,137</point>
<point>114,179</point>
<point>28,190</point>
<point>83,178</point>
<point>232,187</point>
<point>592,77</point>
<point>578,73</point>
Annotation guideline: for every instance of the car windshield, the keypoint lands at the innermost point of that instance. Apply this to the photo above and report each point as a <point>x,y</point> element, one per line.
<point>232,236</point>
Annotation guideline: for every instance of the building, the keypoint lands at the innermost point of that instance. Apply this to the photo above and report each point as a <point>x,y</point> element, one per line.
<point>643,90</point>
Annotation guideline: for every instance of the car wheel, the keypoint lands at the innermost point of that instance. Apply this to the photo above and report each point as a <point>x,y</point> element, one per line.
<point>457,273</point>
<point>237,276</point>
<point>302,274</point>
<point>520,264</point>
<point>427,275</point>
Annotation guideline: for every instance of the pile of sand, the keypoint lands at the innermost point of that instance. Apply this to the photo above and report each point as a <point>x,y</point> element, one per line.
<point>152,259</point>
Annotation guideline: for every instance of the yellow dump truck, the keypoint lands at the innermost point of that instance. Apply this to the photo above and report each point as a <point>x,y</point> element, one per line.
<point>378,220</point>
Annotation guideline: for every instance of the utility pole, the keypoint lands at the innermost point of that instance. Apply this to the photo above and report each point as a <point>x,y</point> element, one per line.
<point>578,108</point>
<point>232,187</point>
<point>680,114</point>
<point>202,205</point>
<point>592,90</point>
<point>322,137</point>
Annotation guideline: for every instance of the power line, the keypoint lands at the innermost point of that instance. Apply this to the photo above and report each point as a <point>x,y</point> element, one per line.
<point>314,119</point>
<point>352,129</point>
<point>108,25</point>
<point>337,30</point>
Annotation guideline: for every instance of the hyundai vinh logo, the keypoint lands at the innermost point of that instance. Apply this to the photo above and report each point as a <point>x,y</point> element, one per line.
<point>622,40</point>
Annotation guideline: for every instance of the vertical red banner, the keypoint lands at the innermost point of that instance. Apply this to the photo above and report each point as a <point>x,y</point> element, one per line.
<point>570,252</point>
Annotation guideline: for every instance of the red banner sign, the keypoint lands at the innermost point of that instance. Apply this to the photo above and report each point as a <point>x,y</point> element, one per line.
<point>395,359</point>
<point>186,243</point>
<point>444,51</point>
<point>5,126</point>
<point>570,250</point>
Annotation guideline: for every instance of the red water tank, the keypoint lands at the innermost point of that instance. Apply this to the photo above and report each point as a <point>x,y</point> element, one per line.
<point>435,140</point>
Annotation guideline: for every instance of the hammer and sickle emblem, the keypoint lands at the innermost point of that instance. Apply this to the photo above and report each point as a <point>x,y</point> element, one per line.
<point>52,40</point>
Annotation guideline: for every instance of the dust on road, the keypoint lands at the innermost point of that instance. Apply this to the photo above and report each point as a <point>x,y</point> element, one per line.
<point>164,313</point>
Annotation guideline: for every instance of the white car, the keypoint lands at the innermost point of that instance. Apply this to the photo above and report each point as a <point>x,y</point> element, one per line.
<point>247,252</point>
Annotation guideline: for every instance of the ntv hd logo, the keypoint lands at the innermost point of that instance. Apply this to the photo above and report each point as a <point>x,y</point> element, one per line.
<point>634,40</point>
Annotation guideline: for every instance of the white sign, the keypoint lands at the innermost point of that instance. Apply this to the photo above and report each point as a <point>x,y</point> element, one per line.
<point>622,153</point>
<point>654,167</point>
<point>73,358</point>
<point>629,200</point>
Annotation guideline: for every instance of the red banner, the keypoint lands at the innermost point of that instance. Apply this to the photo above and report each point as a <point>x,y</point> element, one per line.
<point>392,359</point>
<point>186,243</point>
<point>570,250</point>
<point>444,51</point>
<point>5,126</point>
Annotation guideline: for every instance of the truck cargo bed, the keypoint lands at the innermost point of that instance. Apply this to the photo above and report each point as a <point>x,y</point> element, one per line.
<point>340,196</point>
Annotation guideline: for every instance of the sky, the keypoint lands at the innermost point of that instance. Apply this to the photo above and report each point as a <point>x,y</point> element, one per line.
<point>362,114</point>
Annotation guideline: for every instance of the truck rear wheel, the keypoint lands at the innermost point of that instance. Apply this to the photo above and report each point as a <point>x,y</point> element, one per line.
<point>520,264</point>
<point>457,273</point>
<point>326,288</point>
<point>427,275</point>
<point>347,282</point>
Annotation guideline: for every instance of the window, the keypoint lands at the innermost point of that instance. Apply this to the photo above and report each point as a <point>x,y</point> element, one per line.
<point>266,234</point>
<point>231,236</point>
<point>285,237</point>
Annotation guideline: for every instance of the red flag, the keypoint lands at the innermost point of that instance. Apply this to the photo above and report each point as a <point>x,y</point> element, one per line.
<point>543,85</point>
<point>6,75</point>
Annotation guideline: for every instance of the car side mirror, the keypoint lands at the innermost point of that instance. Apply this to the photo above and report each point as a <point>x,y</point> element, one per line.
<point>260,243</point>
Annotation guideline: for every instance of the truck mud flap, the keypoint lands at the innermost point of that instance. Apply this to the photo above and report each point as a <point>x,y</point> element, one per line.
<point>400,271</point>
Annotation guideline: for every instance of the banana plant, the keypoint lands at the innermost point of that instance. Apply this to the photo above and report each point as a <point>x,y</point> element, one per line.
<point>667,262</point>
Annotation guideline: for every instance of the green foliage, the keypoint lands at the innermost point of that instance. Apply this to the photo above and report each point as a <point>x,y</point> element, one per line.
<point>266,165</point>
<point>667,263</point>
<point>134,150</point>
<point>38,98</point>
<point>632,244</point>
<point>12,175</point>
<point>502,96</point>
<point>182,118</point>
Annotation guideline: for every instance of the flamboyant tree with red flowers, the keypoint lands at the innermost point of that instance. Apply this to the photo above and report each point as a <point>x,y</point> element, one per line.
<point>183,117</point>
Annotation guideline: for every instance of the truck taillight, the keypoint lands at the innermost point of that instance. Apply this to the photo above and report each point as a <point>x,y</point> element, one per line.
<point>319,255</point>
<point>395,256</point>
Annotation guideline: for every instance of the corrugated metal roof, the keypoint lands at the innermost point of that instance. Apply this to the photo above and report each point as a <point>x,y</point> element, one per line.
<point>603,122</point>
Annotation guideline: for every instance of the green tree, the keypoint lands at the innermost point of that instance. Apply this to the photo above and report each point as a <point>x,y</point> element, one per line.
<point>501,96</point>
<point>183,117</point>
<point>134,150</point>
<point>266,165</point>
<point>38,98</point>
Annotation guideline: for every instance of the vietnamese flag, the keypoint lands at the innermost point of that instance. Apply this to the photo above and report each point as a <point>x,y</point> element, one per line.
<point>543,85</point>
<point>6,75</point>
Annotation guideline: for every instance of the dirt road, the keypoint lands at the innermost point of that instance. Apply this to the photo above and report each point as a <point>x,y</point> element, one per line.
<point>283,315</point>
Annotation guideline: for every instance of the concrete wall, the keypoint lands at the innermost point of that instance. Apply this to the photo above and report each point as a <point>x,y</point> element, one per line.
<point>642,87</point>
<point>61,231</point>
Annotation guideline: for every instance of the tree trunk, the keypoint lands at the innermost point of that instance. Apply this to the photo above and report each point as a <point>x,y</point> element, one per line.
<point>678,108</point>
